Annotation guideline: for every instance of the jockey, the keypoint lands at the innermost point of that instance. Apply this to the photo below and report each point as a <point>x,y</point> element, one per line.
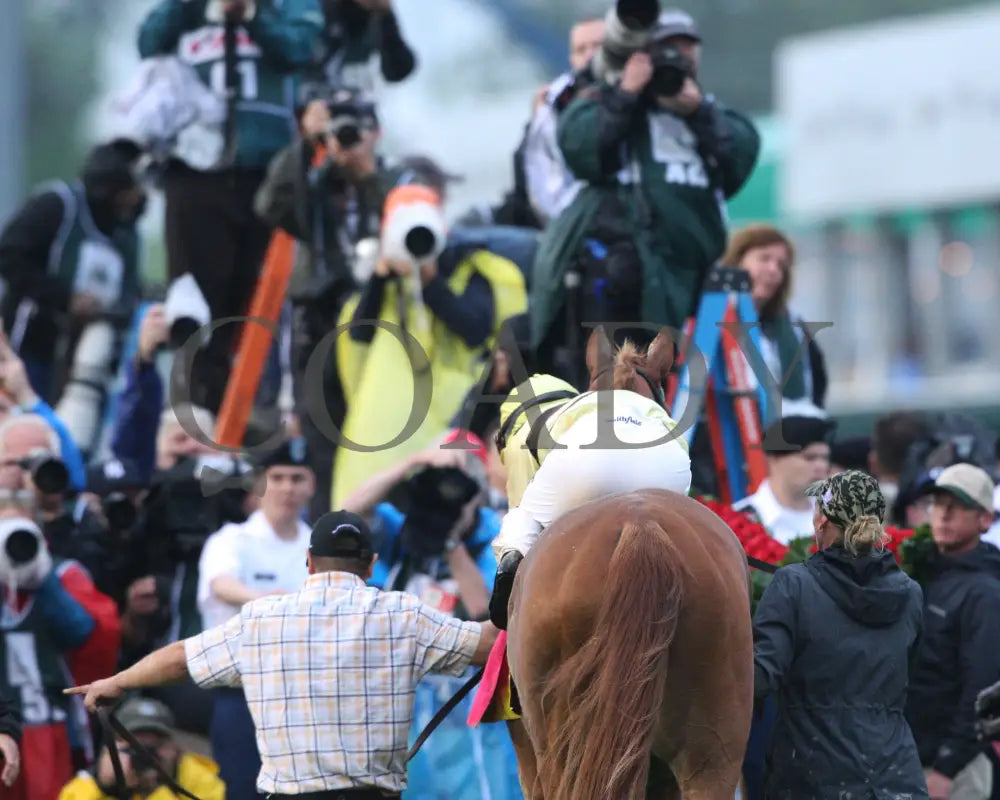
<point>543,484</point>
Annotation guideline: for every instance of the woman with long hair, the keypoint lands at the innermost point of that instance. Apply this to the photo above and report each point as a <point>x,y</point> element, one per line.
<point>768,255</point>
<point>833,639</point>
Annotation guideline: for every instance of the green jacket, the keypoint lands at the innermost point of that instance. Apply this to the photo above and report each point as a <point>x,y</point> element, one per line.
<point>272,48</point>
<point>328,215</point>
<point>666,178</point>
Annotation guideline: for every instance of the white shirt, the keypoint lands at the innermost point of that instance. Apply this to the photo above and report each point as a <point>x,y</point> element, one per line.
<point>550,184</point>
<point>253,554</point>
<point>784,524</point>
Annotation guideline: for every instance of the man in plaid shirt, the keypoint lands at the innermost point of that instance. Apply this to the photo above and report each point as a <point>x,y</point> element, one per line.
<point>329,672</point>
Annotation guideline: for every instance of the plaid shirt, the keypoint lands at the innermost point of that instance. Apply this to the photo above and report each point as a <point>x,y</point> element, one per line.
<point>329,675</point>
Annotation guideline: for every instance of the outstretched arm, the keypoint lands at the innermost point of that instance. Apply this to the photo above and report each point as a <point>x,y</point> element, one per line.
<point>164,666</point>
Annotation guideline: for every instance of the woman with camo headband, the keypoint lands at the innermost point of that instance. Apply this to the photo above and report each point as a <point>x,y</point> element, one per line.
<point>833,639</point>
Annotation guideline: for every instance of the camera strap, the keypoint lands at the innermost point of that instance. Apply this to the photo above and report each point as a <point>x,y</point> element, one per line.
<point>110,726</point>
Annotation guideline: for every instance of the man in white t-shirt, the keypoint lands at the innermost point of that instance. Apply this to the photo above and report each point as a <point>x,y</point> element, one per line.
<point>798,454</point>
<point>239,563</point>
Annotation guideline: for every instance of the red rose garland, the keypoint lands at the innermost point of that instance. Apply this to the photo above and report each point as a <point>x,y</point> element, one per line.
<point>757,542</point>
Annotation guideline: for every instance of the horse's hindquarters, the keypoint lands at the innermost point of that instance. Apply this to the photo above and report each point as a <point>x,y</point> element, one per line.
<point>590,604</point>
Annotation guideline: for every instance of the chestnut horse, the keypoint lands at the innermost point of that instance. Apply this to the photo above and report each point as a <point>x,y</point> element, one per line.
<point>629,641</point>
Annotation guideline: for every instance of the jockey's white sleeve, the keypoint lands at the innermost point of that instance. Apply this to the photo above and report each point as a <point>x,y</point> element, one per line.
<point>519,532</point>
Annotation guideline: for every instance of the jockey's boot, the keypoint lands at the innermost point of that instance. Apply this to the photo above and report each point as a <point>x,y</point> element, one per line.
<point>502,586</point>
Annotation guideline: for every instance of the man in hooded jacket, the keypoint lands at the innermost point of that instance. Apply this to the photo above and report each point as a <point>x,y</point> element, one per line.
<point>959,655</point>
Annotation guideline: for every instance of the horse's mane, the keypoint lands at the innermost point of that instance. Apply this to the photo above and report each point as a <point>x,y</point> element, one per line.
<point>627,360</point>
<point>623,374</point>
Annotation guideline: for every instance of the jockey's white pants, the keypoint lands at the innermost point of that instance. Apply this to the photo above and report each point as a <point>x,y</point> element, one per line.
<point>568,478</point>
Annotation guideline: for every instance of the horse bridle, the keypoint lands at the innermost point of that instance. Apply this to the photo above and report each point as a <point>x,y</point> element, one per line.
<point>659,396</point>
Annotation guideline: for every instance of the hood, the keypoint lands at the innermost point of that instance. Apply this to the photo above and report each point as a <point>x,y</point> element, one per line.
<point>872,590</point>
<point>984,558</point>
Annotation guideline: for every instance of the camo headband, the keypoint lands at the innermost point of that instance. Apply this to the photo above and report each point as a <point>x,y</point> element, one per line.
<point>846,496</point>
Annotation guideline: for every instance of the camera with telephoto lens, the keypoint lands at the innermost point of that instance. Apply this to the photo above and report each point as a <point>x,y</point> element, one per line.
<point>119,511</point>
<point>633,26</point>
<point>191,501</point>
<point>346,130</point>
<point>48,473</point>
<point>438,495</point>
<point>24,557</point>
<point>670,70</point>
<point>628,26</point>
<point>350,114</point>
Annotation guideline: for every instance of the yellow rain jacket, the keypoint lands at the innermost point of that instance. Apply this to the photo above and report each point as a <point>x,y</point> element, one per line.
<point>378,378</point>
<point>196,773</point>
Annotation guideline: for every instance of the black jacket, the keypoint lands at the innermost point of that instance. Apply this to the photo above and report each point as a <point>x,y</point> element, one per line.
<point>959,656</point>
<point>834,638</point>
<point>10,719</point>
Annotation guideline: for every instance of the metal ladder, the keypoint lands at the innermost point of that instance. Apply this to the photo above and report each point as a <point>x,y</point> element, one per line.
<point>722,388</point>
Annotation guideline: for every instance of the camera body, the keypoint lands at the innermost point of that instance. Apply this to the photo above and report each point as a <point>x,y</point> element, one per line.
<point>633,26</point>
<point>346,129</point>
<point>670,70</point>
<point>437,495</point>
<point>350,115</point>
<point>48,473</point>
<point>183,508</point>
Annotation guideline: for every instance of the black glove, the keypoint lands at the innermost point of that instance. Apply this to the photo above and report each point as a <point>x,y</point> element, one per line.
<point>503,585</point>
<point>988,713</point>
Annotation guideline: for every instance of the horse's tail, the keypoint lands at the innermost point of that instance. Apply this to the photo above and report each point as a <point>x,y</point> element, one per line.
<point>611,690</point>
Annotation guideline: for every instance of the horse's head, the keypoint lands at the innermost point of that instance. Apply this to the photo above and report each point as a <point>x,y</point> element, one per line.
<point>626,367</point>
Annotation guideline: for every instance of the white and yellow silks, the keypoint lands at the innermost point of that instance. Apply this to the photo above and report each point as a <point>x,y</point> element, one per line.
<point>378,380</point>
<point>572,472</point>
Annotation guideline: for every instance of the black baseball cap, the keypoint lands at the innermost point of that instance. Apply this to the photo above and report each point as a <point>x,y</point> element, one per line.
<point>290,453</point>
<point>341,534</point>
<point>675,22</point>
<point>795,433</point>
<point>113,475</point>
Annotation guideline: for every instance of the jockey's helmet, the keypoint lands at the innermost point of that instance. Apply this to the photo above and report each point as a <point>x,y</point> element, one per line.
<point>538,390</point>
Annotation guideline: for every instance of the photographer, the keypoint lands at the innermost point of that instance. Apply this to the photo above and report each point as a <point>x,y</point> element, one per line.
<point>451,298</point>
<point>659,157</point>
<point>327,191</point>
<point>57,628</point>
<point>31,467</point>
<point>69,256</point>
<point>254,50</point>
<point>550,184</point>
<point>152,724</point>
<point>17,397</point>
<point>543,186</point>
<point>438,549</point>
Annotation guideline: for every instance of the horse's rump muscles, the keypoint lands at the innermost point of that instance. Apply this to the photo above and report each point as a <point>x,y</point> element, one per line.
<point>612,689</point>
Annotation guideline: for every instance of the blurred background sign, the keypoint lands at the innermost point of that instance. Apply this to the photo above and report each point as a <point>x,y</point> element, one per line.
<point>892,115</point>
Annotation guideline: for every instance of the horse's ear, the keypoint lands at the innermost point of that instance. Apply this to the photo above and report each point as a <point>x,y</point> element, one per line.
<point>660,354</point>
<point>600,353</point>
